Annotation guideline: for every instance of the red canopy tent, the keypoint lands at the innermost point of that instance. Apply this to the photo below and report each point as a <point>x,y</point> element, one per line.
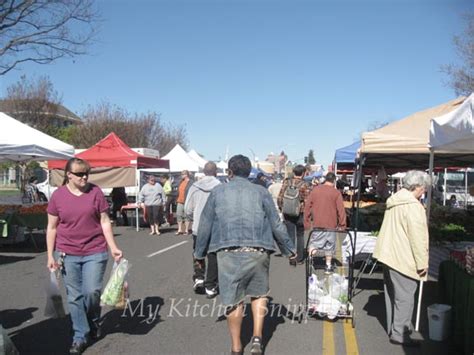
<point>113,163</point>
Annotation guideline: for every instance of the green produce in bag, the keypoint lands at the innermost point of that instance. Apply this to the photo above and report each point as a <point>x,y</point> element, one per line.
<point>113,290</point>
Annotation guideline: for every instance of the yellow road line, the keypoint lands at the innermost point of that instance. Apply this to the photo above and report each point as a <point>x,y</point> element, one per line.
<point>351,340</point>
<point>328,338</point>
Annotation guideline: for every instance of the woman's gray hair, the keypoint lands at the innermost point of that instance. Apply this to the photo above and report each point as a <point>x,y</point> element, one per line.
<point>416,178</point>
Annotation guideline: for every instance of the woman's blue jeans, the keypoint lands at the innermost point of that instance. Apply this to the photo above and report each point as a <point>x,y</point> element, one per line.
<point>83,277</point>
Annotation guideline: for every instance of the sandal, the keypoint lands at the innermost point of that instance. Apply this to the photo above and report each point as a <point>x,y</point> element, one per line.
<point>151,233</point>
<point>178,233</point>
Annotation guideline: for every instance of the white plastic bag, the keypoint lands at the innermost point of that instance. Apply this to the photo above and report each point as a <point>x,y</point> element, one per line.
<point>330,306</point>
<point>114,290</point>
<point>315,291</point>
<point>54,301</point>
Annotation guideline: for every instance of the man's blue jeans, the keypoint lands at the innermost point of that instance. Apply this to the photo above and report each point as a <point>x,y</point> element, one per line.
<point>83,277</point>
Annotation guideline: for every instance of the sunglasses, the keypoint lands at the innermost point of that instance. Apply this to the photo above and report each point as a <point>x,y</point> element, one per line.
<point>80,174</point>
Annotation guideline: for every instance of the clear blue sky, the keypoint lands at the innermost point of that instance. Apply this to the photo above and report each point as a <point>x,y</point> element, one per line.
<point>265,75</point>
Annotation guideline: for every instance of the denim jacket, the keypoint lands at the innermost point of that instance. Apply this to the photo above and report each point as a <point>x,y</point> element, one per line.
<point>241,214</point>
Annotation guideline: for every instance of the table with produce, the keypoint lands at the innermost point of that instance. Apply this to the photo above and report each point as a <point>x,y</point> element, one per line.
<point>15,218</point>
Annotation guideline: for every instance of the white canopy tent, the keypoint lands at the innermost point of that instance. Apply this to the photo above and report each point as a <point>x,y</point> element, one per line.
<point>453,133</point>
<point>222,165</point>
<point>20,142</point>
<point>180,160</point>
<point>197,158</point>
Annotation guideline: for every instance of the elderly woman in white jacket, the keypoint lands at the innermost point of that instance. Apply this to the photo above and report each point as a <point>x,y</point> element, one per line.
<point>402,246</point>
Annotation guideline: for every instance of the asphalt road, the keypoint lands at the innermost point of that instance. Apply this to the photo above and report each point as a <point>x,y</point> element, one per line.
<point>166,317</point>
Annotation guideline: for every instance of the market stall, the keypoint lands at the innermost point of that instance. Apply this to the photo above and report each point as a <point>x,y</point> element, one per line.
<point>21,143</point>
<point>179,160</point>
<point>17,222</point>
<point>403,145</point>
<point>345,158</point>
<point>113,164</point>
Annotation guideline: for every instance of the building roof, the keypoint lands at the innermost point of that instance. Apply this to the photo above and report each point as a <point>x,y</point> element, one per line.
<point>9,107</point>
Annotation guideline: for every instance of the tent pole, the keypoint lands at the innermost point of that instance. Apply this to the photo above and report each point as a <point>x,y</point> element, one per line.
<point>430,187</point>
<point>444,188</point>
<point>359,169</point>
<point>465,191</point>
<point>137,182</point>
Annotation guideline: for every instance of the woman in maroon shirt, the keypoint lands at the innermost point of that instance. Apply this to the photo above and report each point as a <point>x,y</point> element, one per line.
<point>79,231</point>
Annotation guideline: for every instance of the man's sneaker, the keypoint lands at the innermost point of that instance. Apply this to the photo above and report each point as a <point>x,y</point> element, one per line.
<point>198,285</point>
<point>211,292</point>
<point>329,269</point>
<point>78,347</point>
<point>256,347</point>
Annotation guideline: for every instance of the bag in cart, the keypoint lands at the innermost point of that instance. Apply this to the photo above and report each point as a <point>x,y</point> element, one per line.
<point>327,296</point>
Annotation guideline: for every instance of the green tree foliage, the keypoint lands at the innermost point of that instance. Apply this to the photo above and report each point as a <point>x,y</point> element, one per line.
<point>311,159</point>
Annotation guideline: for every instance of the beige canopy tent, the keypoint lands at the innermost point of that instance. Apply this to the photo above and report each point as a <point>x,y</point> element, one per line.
<point>404,143</point>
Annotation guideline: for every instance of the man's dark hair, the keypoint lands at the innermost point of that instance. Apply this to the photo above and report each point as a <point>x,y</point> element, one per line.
<point>330,177</point>
<point>165,176</point>
<point>299,170</point>
<point>240,165</point>
<point>33,179</point>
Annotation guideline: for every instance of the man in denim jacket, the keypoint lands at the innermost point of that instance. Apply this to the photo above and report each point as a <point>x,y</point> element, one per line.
<point>240,223</point>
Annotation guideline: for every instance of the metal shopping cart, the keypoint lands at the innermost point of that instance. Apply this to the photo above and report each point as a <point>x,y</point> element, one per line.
<point>330,295</point>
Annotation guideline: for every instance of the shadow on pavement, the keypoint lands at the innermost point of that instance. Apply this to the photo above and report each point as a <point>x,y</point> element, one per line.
<point>6,259</point>
<point>139,317</point>
<point>51,336</point>
<point>11,318</point>
<point>375,307</point>
<point>35,242</point>
<point>368,284</point>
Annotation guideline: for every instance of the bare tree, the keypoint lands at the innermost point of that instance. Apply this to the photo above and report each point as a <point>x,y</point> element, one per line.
<point>136,130</point>
<point>43,31</point>
<point>461,77</point>
<point>33,101</point>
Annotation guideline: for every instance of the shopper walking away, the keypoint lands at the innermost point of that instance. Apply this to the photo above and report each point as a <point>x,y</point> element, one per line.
<point>240,223</point>
<point>291,201</point>
<point>325,209</point>
<point>402,246</point>
<point>195,201</point>
<point>78,233</point>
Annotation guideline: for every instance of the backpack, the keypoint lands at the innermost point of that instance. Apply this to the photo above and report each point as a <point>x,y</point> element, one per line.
<point>291,200</point>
